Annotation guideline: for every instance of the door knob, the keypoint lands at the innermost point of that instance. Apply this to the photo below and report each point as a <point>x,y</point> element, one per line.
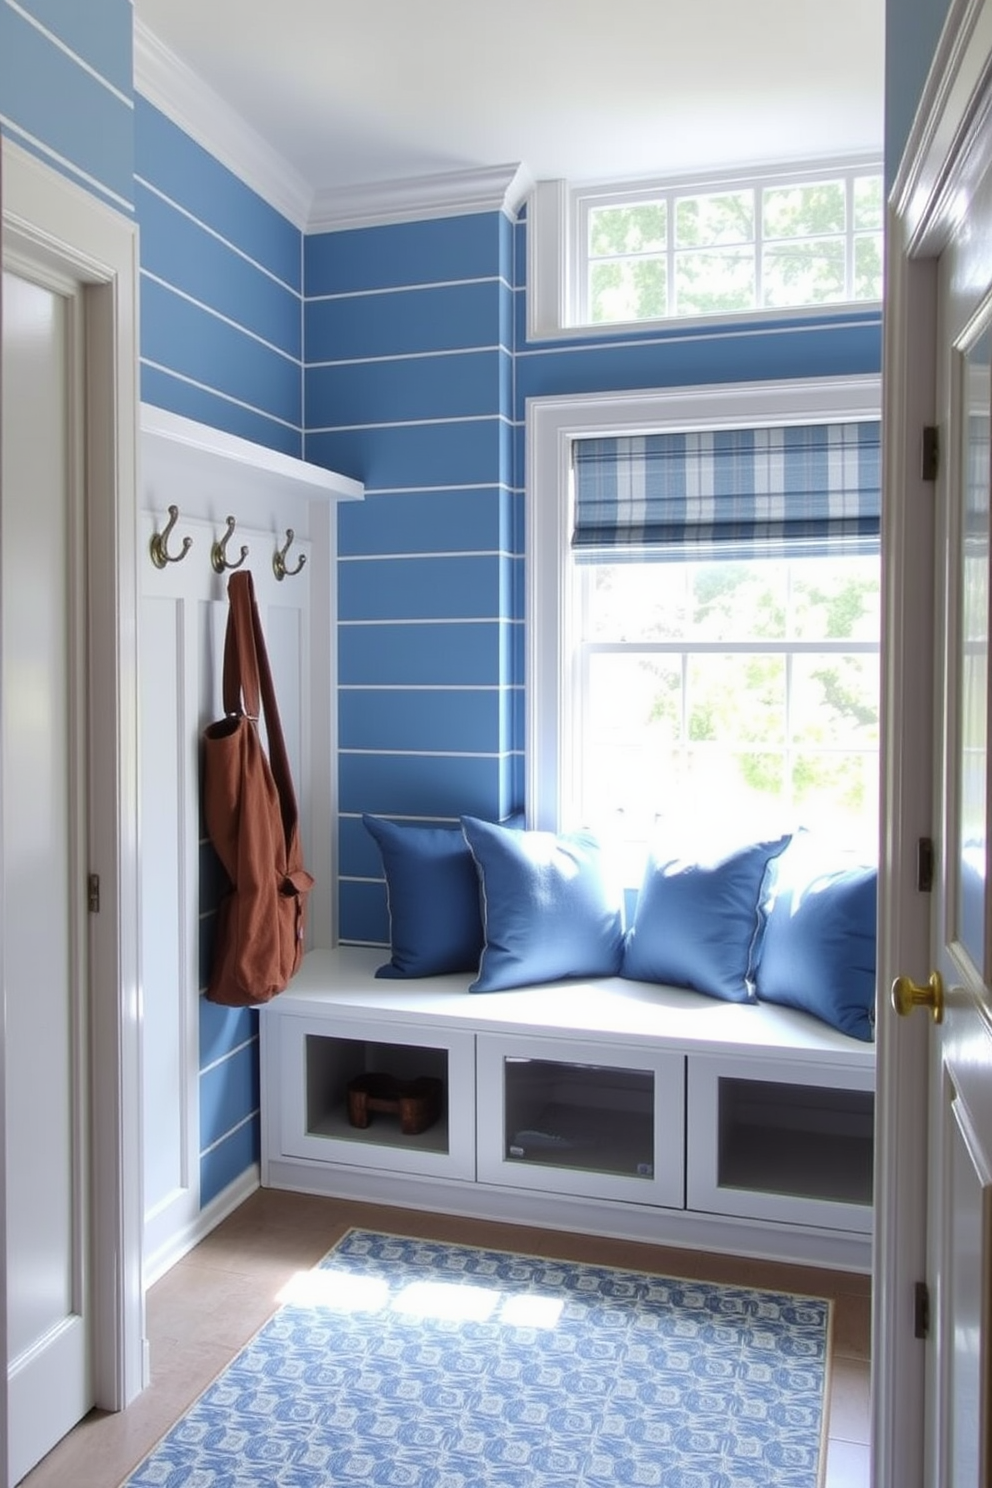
<point>907,994</point>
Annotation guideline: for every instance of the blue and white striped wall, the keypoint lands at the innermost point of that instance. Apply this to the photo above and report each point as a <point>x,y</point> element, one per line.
<point>221,292</point>
<point>397,354</point>
<point>66,91</point>
<point>230,1101</point>
<point>417,371</point>
<point>409,387</point>
<point>221,342</point>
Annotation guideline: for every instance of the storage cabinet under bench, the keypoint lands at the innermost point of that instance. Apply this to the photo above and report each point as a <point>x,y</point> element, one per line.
<point>608,1106</point>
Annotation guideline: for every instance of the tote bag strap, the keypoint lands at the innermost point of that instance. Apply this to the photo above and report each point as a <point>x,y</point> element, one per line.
<point>247,675</point>
<point>240,655</point>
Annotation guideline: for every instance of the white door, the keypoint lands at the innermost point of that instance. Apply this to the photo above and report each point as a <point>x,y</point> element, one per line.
<point>932,1385</point>
<point>959,1235</point>
<point>44,939</point>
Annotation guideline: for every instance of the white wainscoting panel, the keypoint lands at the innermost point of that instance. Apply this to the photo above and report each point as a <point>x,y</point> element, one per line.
<point>183,617</point>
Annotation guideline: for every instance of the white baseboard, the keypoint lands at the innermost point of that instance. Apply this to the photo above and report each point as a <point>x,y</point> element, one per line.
<point>801,1245</point>
<point>180,1244</point>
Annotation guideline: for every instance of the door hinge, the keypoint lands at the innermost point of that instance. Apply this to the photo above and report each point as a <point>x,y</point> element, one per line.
<point>930,455</point>
<point>93,893</point>
<point>924,865</point>
<point>921,1310</point>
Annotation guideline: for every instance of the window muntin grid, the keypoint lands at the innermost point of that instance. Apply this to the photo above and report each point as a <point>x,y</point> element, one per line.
<point>756,715</point>
<point>685,251</point>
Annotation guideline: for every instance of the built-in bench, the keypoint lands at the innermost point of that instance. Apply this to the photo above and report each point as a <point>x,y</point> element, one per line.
<point>607,1106</point>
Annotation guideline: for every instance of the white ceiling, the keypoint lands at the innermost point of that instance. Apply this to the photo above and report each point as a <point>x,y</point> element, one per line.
<point>391,90</point>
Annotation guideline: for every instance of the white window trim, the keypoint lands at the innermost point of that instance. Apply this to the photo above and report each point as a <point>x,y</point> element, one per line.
<point>553,218</point>
<point>551,426</point>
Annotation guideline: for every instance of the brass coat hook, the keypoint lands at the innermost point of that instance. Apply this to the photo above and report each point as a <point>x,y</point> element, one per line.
<point>159,544</point>
<point>279,558</point>
<point>218,553</point>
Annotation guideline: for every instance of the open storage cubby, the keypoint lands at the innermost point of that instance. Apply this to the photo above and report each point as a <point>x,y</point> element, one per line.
<point>332,1063</point>
<point>317,1062</point>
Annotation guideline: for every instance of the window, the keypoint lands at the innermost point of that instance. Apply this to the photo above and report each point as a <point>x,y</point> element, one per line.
<point>742,692</point>
<point>717,675</point>
<point>782,242</point>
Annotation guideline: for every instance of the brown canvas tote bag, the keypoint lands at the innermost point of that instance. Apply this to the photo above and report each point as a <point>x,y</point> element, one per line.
<point>251,817</point>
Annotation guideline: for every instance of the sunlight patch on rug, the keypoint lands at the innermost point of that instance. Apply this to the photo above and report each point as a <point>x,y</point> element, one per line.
<point>402,1363</point>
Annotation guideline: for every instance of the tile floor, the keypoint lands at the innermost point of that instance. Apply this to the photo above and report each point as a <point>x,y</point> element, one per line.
<point>203,1310</point>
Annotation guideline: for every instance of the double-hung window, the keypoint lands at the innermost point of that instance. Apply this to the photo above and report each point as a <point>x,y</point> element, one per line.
<point>704,613</point>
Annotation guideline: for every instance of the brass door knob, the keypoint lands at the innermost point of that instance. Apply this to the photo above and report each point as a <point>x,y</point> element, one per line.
<point>907,995</point>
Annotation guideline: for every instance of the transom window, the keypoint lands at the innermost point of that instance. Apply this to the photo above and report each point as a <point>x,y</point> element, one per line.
<point>658,252</point>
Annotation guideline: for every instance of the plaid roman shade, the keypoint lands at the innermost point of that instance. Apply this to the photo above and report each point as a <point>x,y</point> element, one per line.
<point>733,491</point>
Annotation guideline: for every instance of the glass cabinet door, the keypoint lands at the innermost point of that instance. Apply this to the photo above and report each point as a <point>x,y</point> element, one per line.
<point>601,1123</point>
<point>790,1142</point>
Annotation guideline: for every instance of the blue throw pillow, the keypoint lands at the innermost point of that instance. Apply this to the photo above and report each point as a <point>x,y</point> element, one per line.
<point>696,922</point>
<point>546,910</point>
<point>817,948</point>
<point>435,923</point>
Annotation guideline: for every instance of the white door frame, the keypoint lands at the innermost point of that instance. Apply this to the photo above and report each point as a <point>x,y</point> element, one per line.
<point>948,149</point>
<point>49,219</point>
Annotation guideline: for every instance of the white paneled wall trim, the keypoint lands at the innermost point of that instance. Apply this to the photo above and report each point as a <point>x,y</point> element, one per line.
<point>209,476</point>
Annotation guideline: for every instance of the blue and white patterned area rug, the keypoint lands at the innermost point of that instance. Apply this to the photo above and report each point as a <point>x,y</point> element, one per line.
<point>402,1363</point>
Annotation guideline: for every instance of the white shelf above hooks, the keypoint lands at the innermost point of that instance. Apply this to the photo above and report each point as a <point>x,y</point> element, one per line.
<point>226,473</point>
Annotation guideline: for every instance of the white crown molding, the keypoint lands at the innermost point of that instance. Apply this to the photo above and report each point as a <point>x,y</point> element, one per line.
<point>496,188</point>
<point>172,86</point>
